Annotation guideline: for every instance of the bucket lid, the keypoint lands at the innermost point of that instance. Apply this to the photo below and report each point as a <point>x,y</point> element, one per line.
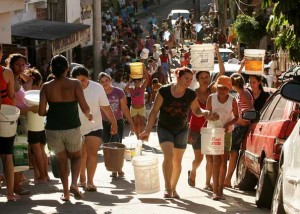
<point>9,112</point>
<point>144,161</point>
<point>32,97</point>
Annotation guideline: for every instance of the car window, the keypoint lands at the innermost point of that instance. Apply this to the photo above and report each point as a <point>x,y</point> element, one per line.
<point>279,109</point>
<point>266,113</point>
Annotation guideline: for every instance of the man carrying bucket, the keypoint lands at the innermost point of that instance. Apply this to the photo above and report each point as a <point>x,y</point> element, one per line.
<point>224,111</point>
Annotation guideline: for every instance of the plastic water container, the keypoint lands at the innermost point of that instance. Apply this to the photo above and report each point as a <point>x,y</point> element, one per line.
<point>212,141</point>
<point>8,120</point>
<point>34,121</point>
<point>113,156</point>
<point>136,70</point>
<point>202,57</point>
<point>20,154</point>
<point>133,148</point>
<point>146,174</point>
<point>254,61</point>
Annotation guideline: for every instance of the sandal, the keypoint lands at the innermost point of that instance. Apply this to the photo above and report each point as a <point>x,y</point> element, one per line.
<point>13,198</point>
<point>82,184</point>
<point>77,195</point>
<point>175,194</point>
<point>215,197</point>
<point>208,188</point>
<point>114,175</point>
<point>168,194</point>
<point>63,198</point>
<point>91,188</point>
<point>121,174</point>
<point>191,182</point>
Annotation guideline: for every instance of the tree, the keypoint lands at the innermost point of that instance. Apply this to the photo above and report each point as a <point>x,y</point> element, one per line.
<point>286,25</point>
<point>250,30</point>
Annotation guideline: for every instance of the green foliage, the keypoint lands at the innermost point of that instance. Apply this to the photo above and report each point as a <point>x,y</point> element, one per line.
<point>250,30</point>
<point>286,13</point>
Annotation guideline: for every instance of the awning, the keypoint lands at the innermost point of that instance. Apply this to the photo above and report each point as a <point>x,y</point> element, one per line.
<point>63,35</point>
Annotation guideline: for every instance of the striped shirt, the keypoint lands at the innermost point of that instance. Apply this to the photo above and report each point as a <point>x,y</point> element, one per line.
<point>242,104</point>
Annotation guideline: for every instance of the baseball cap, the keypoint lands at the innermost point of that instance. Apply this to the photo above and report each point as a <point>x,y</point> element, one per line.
<point>224,81</point>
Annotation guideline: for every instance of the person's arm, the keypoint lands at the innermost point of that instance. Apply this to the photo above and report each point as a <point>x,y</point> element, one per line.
<point>27,85</point>
<point>235,118</point>
<point>43,101</point>
<point>220,61</point>
<point>152,116</point>
<point>110,115</point>
<point>197,110</point>
<point>81,100</point>
<point>242,66</point>
<point>9,78</point>
<point>146,79</point>
<point>126,112</point>
<point>126,89</point>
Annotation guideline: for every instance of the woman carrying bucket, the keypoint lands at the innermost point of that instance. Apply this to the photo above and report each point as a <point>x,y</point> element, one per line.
<point>244,101</point>
<point>173,101</point>
<point>196,123</point>
<point>92,131</point>
<point>118,103</point>
<point>7,143</point>
<point>225,114</point>
<point>17,63</point>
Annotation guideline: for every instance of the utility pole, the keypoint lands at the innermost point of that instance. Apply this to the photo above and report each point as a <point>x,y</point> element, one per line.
<point>97,38</point>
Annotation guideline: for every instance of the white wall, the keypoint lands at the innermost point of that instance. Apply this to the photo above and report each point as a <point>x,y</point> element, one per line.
<point>87,19</point>
<point>11,5</point>
<point>5,28</point>
<point>28,13</point>
<point>73,10</point>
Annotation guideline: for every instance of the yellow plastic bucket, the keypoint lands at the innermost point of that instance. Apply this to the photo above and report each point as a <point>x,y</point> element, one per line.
<point>136,70</point>
<point>254,61</point>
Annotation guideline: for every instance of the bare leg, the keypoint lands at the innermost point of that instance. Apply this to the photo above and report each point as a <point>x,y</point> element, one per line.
<point>216,172</point>
<point>167,166</point>
<point>196,163</point>
<point>141,123</point>
<point>92,146</point>
<point>223,170</point>
<point>75,158</point>
<point>231,168</point>
<point>62,159</point>
<point>83,164</point>
<point>177,158</point>
<point>209,167</point>
<point>8,170</point>
<point>39,161</point>
<point>136,125</point>
<point>45,158</point>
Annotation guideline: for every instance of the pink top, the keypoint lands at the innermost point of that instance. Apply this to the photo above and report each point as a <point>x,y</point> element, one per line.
<point>137,96</point>
<point>20,98</point>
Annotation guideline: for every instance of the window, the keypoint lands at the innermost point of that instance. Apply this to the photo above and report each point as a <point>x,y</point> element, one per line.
<point>279,109</point>
<point>269,109</point>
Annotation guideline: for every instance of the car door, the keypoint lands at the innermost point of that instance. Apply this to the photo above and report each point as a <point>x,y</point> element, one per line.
<point>262,135</point>
<point>291,173</point>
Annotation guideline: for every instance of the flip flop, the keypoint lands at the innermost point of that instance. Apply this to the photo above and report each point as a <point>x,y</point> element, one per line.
<point>191,182</point>
<point>208,188</point>
<point>175,194</point>
<point>114,175</point>
<point>63,198</point>
<point>121,174</point>
<point>77,195</point>
<point>91,188</point>
<point>13,198</point>
<point>168,194</point>
<point>215,197</point>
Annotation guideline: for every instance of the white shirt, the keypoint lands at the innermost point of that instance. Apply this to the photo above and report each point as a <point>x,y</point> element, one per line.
<point>95,96</point>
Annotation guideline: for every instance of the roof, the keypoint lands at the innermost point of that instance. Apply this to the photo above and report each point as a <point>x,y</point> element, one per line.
<point>46,30</point>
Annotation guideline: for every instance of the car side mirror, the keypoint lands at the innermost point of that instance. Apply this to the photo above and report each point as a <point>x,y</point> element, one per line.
<point>251,115</point>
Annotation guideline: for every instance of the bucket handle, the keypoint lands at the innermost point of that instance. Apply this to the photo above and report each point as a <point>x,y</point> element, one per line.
<point>111,137</point>
<point>3,115</point>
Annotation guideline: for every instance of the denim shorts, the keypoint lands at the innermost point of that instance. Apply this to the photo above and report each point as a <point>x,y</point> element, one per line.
<point>179,138</point>
<point>238,135</point>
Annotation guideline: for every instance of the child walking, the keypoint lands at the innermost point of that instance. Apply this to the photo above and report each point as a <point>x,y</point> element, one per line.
<point>224,114</point>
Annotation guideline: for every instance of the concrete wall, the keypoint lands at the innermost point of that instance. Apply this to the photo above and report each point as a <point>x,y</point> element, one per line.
<point>5,28</point>
<point>73,10</point>
<point>11,5</point>
<point>86,17</point>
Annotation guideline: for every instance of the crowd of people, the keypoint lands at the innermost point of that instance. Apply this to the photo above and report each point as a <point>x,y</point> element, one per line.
<point>82,113</point>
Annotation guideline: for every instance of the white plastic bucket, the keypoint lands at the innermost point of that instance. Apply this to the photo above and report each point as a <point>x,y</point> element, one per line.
<point>132,148</point>
<point>136,70</point>
<point>146,174</point>
<point>20,154</point>
<point>202,57</point>
<point>212,141</point>
<point>254,61</point>
<point>8,120</point>
<point>34,121</point>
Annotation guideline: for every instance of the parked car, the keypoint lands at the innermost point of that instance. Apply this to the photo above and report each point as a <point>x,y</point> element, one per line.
<point>260,151</point>
<point>224,52</point>
<point>286,197</point>
<point>175,14</point>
